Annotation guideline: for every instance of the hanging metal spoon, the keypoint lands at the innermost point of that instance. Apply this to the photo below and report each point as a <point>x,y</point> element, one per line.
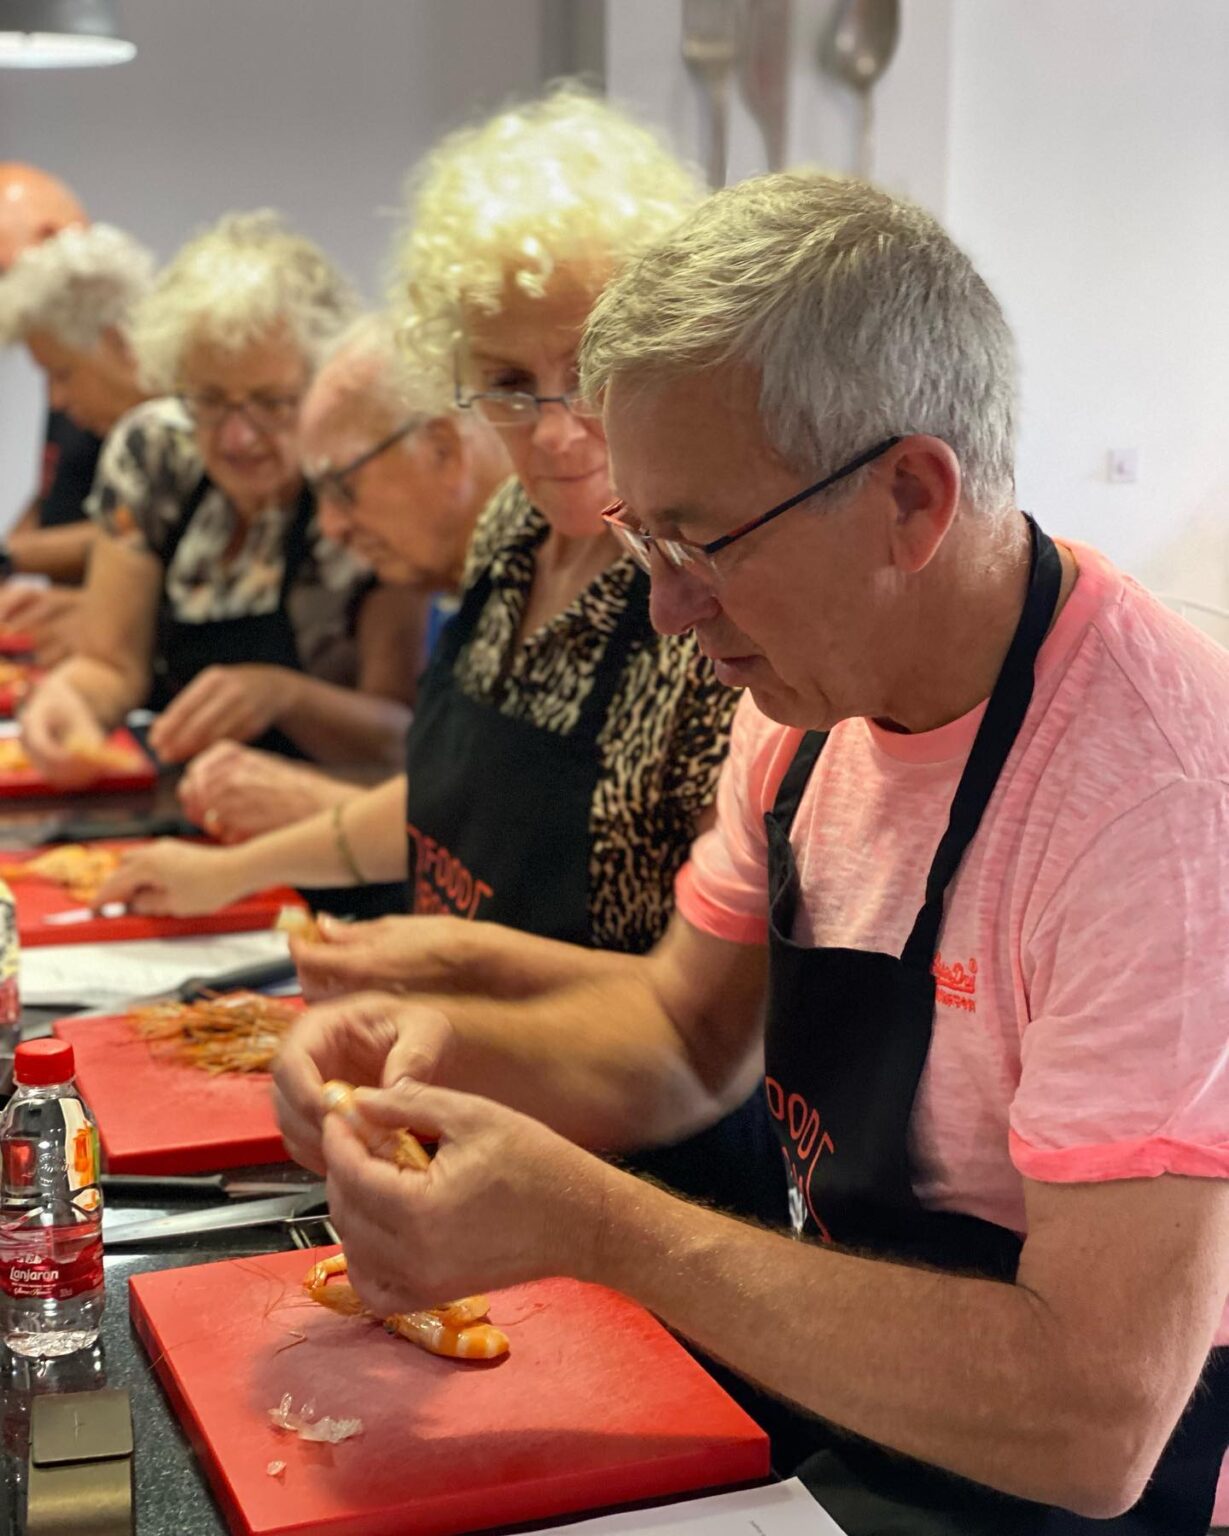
<point>857,50</point>
<point>710,51</point>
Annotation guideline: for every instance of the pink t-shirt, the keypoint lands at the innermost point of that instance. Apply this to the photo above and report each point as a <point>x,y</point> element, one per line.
<point>1081,1028</point>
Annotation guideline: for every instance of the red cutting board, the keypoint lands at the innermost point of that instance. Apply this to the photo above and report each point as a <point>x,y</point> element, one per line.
<point>15,784</point>
<point>594,1405</point>
<point>39,899</point>
<point>159,1116</point>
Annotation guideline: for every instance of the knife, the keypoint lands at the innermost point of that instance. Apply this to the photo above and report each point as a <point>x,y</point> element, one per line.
<point>187,1185</point>
<point>73,915</point>
<point>255,978</point>
<point>117,1232</point>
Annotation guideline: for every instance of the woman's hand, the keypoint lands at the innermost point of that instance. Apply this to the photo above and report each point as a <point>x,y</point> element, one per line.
<point>59,732</point>
<point>174,879</point>
<point>395,954</point>
<point>234,703</point>
<point>48,614</point>
<point>238,792</point>
<point>371,1040</point>
<point>505,1200</point>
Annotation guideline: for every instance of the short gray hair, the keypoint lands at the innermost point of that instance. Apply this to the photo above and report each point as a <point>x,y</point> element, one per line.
<point>231,285</point>
<point>859,312</point>
<point>74,286</point>
<point>368,370</point>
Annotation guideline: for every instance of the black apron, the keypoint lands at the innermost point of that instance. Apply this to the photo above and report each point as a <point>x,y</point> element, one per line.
<point>498,818</point>
<point>183,650</point>
<point>848,1033</point>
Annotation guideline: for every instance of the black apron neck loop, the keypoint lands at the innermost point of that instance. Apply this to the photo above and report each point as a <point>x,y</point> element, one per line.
<point>1000,725</point>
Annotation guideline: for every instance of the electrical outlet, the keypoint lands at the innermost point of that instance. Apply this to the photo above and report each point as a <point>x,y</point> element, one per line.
<point>1122,466</point>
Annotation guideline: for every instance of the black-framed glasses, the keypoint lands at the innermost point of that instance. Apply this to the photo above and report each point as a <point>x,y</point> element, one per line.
<point>509,408</point>
<point>268,414</point>
<point>683,554</point>
<point>334,484</point>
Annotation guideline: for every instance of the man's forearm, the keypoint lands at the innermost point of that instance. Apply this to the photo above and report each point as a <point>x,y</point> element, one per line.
<point>595,1058</point>
<point>61,554</point>
<point>964,1373</point>
<point>341,725</point>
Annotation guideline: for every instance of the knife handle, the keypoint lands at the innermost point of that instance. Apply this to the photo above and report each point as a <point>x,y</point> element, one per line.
<point>264,973</point>
<point>163,1184</point>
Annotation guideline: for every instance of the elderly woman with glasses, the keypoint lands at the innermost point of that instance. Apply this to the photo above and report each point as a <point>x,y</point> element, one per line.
<point>563,754</point>
<point>212,594</point>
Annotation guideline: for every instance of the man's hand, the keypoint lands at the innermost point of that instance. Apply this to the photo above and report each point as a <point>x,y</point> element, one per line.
<point>48,614</point>
<point>174,879</point>
<point>395,954</point>
<point>238,792</point>
<point>371,1040</point>
<point>59,732</point>
<point>504,1201</point>
<point>234,703</point>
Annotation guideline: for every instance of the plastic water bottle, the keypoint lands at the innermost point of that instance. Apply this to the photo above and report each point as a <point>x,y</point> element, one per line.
<point>51,1276</point>
<point>10,1001</point>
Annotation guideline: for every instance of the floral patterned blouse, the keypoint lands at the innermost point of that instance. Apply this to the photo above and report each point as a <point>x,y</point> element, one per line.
<point>149,469</point>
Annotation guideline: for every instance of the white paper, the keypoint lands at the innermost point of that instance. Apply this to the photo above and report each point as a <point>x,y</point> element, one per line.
<point>101,975</point>
<point>781,1509</point>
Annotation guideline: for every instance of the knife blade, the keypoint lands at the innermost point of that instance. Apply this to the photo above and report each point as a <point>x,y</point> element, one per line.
<point>187,1185</point>
<point>254,978</point>
<point>73,915</point>
<point>117,1233</point>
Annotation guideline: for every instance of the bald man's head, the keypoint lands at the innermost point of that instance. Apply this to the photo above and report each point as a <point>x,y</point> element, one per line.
<point>33,206</point>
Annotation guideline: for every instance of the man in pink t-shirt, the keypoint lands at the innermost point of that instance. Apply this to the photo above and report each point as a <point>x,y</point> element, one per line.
<point>965,909</point>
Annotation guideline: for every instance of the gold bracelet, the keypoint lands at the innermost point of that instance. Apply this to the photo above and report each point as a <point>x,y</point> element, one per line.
<point>342,844</point>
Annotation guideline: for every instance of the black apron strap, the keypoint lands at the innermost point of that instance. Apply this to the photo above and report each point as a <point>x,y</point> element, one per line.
<point>996,735</point>
<point>190,508</point>
<point>295,549</point>
<point>789,791</point>
<point>632,622</point>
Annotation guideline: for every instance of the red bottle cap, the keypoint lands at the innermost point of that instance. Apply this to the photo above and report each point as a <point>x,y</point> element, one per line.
<point>40,1062</point>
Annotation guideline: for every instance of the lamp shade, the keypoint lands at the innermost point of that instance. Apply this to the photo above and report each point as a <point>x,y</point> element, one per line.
<point>61,34</point>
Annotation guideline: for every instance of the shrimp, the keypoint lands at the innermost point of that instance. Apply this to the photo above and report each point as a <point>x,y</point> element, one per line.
<point>459,1330</point>
<point>228,1032</point>
<point>81,871</point>
<point>397,1147</point>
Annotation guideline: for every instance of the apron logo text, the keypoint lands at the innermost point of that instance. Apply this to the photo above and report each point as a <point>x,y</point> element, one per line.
<point>442,884</point>
<point>807,1144</point>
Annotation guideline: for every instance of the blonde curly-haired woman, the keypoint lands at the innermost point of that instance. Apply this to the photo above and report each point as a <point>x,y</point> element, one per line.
<point>563,754</point>
<point>212,594</point>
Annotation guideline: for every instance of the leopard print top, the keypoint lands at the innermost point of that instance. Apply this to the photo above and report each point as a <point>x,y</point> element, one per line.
<point>664,739</point>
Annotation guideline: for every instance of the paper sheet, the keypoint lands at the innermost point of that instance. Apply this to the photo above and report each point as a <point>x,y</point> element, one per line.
<point>101,975</point>
<point>781,1509</point>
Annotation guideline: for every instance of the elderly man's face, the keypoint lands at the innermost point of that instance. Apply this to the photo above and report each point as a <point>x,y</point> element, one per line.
<point>404,512</point>
<point>94,388</point>
<point>798,611</point>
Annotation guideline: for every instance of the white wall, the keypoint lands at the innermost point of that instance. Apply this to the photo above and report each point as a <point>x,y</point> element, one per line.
<point>644,69</point>
<point>1081,154</point>
<point>1089,178</point>
<point>317,107</point>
